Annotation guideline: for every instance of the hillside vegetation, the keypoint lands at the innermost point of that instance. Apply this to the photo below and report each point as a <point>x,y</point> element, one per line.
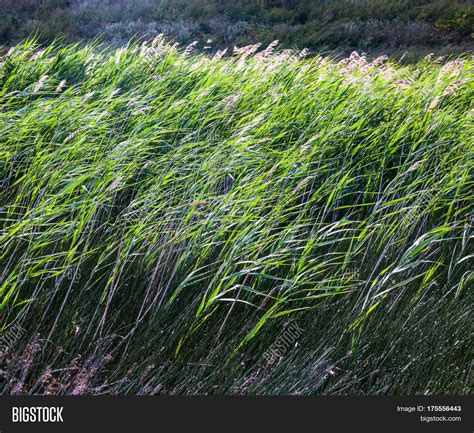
<point>401,28</point>
<point>166,216</point>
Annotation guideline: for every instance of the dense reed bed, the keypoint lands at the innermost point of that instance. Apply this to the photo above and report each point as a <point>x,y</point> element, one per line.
<point>166,216</point>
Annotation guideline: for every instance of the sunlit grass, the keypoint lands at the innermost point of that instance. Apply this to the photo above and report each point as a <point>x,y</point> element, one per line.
<point>165,209</point>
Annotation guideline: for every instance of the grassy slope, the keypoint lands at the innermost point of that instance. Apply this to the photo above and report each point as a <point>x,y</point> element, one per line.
<point>403,29</point>
<point>164,216</point>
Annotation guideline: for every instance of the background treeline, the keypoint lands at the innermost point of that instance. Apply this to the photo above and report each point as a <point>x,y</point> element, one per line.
<point>393,26</point>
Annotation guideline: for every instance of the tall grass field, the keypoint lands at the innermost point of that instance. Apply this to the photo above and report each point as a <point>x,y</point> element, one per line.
<point>255,222</point>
